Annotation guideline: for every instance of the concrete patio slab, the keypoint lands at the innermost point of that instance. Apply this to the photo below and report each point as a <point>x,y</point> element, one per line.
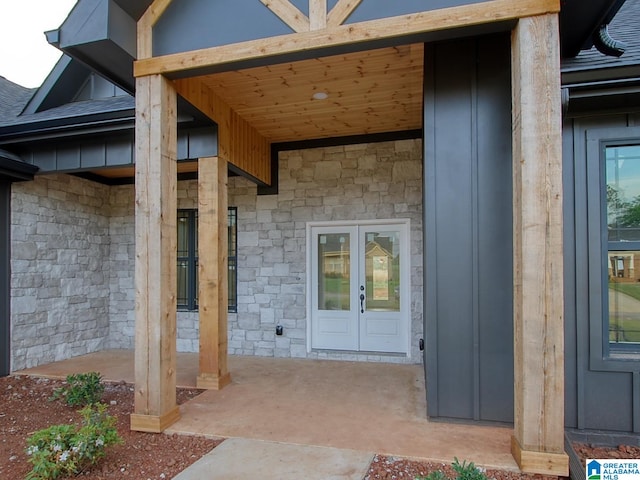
<point>367,407</point>
<point>242,458</point>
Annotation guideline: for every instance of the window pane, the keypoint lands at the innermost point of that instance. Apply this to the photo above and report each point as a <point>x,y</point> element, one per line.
<point>623,192</point>
<point>334,272</point>
<point>196,288</point>
<point>624,296</point>
<point>195,232</point>
<point>233,285</point>
<point>183,275</point>
<point>382,271</point>
<point>183,233</point>
<point>233,307</point>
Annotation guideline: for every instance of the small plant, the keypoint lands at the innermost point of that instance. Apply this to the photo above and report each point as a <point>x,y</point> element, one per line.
<point>436,475</point>
<point>81,389</point>
<point>467,471</point>
<point>464,471</point>
<point>62,450</point>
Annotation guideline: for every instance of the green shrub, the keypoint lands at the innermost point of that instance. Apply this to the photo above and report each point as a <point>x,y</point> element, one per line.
<point>464,471</point>
<point>467,471</point>
<point>436,475</point>
<point>81,389</point>
<point>63,450</point>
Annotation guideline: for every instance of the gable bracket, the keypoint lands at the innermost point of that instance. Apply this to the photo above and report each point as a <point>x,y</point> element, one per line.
<point>145,26</point>
<point>289,14</point>
<point>341,11</point>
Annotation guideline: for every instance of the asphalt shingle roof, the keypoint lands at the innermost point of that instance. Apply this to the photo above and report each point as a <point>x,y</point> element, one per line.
<point>13,98</point>
<point>70,110</point>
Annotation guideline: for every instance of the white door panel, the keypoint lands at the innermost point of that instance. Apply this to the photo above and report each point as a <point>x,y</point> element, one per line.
<point>359,287</point>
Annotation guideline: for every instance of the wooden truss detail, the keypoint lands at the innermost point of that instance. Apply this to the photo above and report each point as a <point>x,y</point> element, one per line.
<point>341,11</point>
<point>317,19</point>
<point>289,14</point>
<point>145,25</point>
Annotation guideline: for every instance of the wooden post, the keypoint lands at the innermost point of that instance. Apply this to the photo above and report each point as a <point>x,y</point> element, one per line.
<point>213,272</point>
<point>538,441</point>
<point>155,264</point>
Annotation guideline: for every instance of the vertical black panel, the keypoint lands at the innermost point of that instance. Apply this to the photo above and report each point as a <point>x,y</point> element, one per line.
<point>454,233</point>
<point>5,228</point>
<point>569,231</point>
<point>611,407</point>
<point>468,223</point>
<point>495,231</point>
<point>93,155</point>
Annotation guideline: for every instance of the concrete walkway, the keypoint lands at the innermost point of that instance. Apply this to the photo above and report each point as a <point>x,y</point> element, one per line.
<point>239,458</point>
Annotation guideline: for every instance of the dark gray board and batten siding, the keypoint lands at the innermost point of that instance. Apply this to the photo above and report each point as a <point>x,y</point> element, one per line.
<point>600,394</point>
<point>468,230</point>
<point>5,272</point>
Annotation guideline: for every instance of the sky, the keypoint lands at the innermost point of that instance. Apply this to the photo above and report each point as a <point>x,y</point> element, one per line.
<point>25,56</point>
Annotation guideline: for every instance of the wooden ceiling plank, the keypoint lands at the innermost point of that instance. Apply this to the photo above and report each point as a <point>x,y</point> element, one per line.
<point>369,92</point>
<point>341,11</point>
<point>422,22</point>
<point>289,14</point>
<point>317,14</point>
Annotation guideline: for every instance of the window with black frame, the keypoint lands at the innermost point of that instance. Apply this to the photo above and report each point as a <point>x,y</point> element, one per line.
<point>187,271</point>
<point>622,256</point>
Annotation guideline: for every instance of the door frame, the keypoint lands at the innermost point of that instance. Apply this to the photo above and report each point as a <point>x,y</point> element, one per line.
<point>405,294</point>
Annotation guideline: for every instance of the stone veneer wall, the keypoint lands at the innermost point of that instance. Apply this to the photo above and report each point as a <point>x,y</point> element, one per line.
<point>122,302</point>
<point>122,267</point>
<point>88,281</point>
<point>354,182</point>
<point>60,269</point>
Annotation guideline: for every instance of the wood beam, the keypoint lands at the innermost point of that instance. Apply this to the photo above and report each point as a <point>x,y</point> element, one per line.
<point>213,273</point>
<point>238,142</point>
<point>145,27</point>
<point>289,14</point>
<point>155,262</point>
<point>341,11</point>
<point>423,22</point>
<point>317,14</point>
<point>538,442</point>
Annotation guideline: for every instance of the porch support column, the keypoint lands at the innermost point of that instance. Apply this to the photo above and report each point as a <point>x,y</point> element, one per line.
<point>155,264</point>
<point>213,272</point>
<point>538,442</point>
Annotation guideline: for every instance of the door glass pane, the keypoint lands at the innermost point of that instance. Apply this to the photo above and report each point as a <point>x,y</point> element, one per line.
<point>624,296</point>
<point>382,271</point>
<point>623,193</point>
<point>334,263</point>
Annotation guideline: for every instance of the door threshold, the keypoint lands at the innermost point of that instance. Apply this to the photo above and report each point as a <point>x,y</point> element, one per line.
<point>359,353</point>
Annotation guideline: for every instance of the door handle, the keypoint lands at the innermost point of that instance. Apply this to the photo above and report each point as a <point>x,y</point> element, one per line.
<point>362,303</point>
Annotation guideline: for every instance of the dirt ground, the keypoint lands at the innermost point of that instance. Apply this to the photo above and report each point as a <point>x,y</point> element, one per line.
<point>25,408</point>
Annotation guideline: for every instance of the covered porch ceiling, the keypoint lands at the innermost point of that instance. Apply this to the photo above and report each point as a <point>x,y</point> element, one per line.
<point>359,93</point>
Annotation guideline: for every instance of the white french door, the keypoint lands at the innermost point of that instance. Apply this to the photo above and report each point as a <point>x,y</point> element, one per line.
<point>359,286</point>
